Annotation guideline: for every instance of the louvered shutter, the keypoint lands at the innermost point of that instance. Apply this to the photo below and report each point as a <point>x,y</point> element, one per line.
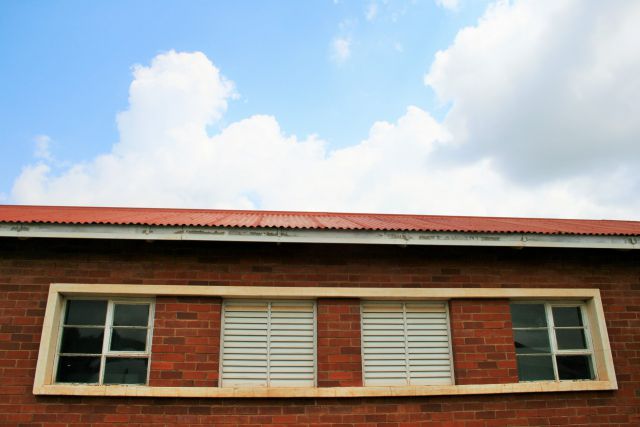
<point>245,343</point>
<point>292,344</point>
<point>406,343</point>
<point>268,343</point>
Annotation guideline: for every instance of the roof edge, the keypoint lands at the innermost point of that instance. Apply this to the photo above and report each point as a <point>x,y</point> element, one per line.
<point>324,236</point>
<point>302,213</point>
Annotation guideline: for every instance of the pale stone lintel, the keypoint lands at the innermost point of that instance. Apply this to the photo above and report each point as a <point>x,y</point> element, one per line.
<point>315,392</point>
<point>70,289</point>
<point>323,236</point>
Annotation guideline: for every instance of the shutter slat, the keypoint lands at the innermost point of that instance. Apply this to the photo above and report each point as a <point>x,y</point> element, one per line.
<point>391,352</point>
<point>245,362</point>
<point>387,374</point>
<point>275,358</point>
<point>289,382</point>
<point>433,330</point>
<point>416,357</point>
<point>437,374</point>
<point>288,362</point>
<point>246,376</point>
<point>373,369</point>
<point>292,350</point>
<point>246,347</point>
<point>247,321</point>
<point>246,369</point>
<point>432,381</point>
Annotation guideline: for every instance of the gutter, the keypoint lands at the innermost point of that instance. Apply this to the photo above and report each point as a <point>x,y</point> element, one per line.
<point>289,235</point>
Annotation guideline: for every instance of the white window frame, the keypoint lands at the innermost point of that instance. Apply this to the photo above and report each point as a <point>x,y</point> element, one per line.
<point>268,358</point>
<point>551,333</point>
<point>407,356</point>
<point>44,385</point>
<point>106,340</point>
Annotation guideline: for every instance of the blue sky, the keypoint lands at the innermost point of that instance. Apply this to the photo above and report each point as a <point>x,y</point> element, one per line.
<point>66,66</point>
<point>334,70</point>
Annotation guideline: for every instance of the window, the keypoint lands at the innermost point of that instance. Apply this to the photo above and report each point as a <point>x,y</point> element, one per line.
<point>104,342</point>
<point>280,346</point>
<point>405,343</point>
<point>552,341</point>
<point>268,343</point>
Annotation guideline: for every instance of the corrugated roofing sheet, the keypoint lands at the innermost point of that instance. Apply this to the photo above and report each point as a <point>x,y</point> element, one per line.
<point>311,220</point>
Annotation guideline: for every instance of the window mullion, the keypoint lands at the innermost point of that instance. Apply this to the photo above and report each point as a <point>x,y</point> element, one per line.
<point>315,343</point>
<point>269,343</point>
<point>407,366</point>
<point>54,372</point>
<point>586,329</point>
<point>149,346</point>
<point>552,339</point>
<point>587,337</point>
<point>106,341</point>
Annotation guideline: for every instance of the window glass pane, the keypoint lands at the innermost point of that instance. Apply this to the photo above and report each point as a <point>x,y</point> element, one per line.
<point>574,367</point>
<point>570,339</point>
<point>85,312</point>
<point>78,369</point>
<point>528,315</point>
<point>567,316</point>
<point>532,342</point>
<point>535,368</point>
<point>127,339</point>
<point>82,340</point>
<point>130,315</point>
<point>125,371</point>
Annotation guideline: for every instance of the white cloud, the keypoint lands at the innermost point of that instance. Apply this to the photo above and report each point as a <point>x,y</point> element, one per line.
<point>43,147</point>
<point>486,158</point>
<point>340,49</point>
<point>371,12</point>
<point>549,89</point>
<point>448,4</point>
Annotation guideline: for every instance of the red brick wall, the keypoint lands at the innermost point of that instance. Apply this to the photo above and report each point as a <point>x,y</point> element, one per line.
<point>482,342</point>
<point>28,266</point>
<point>186,342</point>
<point>339,354</point>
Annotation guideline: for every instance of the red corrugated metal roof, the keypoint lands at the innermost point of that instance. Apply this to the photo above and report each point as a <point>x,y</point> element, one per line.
<point>311,220</point>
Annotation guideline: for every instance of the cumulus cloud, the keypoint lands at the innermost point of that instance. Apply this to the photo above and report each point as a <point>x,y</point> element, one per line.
<point>340,49</point>
<point>542,123</point>
<point>166,158</point>
<point>549,90</point>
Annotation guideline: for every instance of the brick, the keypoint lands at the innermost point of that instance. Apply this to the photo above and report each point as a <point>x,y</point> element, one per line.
<point>338,347</point>
<point>477,360</point>
<point>28,266</point>
<point>168,367</point>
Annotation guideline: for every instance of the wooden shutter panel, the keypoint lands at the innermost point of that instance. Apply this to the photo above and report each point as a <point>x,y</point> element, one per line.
<point>268,343</point>
<point>292,344</point>
<point>405,343</point>
<point>245,343</point>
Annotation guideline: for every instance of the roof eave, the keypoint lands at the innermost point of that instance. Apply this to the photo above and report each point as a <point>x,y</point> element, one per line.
<point>289,235</point>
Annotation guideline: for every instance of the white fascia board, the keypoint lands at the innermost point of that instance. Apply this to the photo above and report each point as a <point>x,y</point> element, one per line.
<point>287,235</point>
